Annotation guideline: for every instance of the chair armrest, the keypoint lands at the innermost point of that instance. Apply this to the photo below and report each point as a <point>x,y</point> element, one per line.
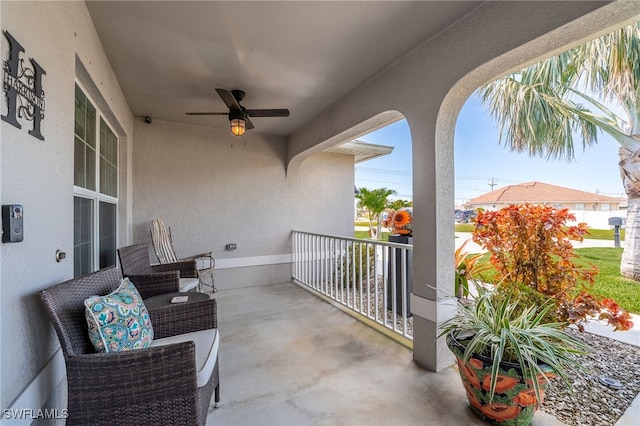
<point>160,383</point>
<point>187,268</point>
<point>156,283</point>
<point>206,259</point>
<point>183,318</point>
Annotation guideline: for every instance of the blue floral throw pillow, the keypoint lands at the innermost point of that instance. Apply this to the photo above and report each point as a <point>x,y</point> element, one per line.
<point>118,321</point>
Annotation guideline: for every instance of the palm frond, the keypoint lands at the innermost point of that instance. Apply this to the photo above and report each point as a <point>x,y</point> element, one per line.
<point>534,110</point>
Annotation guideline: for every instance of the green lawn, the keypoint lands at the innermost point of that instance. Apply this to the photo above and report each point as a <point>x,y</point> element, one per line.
<point>609,282</point>
<point>364,235</point>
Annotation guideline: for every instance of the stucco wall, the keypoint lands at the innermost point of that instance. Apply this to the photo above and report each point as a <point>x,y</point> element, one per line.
<point>39,174</point>
<point>213,188</point>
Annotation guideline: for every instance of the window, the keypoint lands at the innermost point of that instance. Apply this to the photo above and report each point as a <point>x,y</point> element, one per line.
<point>605,207</point>
<point>579,206</point>
<point>95,189</point>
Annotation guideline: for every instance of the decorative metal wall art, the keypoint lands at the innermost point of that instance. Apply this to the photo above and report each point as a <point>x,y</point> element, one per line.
<point>23,89</point>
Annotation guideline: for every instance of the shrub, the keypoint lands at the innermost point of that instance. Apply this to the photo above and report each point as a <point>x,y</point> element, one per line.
<point>531,249</point>
<point>353,264</point>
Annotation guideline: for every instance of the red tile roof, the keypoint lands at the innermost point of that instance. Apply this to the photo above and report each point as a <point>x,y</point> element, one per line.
<point>538,193</point>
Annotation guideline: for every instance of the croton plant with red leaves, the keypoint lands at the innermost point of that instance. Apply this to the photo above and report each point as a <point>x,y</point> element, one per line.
<point>531,247</point>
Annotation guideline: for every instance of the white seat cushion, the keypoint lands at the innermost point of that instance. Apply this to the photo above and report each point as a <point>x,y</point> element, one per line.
<point>207,343</point>
<point>187,284</point>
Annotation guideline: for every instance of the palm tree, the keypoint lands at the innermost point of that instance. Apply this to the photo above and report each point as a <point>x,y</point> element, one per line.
<point>539,111</point>
<point>374,201</point>
<point>399,203</point>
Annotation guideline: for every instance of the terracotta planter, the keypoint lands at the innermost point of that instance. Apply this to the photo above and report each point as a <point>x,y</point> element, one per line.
<point>514,400</point>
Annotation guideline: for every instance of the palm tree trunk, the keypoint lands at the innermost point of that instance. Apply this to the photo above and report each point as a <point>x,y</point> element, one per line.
<point>630,264</point>
<point>630,173</point>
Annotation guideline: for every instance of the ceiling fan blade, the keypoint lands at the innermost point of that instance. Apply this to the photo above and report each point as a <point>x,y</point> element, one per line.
<point>268,112</point>
<point>207,113</point>
<point>248,124</point>
<point>228,98</point>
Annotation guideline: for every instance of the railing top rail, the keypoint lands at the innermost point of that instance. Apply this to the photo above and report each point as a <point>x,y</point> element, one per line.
<point>358,240</point>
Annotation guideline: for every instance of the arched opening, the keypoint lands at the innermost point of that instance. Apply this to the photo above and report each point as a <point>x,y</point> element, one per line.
<point>437,271</point>
<point>496,169</point>
<point>392,172</point>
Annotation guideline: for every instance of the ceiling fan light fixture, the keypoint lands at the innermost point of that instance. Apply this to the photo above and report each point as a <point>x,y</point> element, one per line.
<point>238,126</point>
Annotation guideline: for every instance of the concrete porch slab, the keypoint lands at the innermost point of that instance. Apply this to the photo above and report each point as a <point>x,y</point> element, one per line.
<point>289,358</point>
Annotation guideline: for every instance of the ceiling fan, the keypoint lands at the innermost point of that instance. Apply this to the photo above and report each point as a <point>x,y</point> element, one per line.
<point>239,115</point>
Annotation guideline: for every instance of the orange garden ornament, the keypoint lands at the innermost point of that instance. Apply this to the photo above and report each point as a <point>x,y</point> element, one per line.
<point>402,222</point>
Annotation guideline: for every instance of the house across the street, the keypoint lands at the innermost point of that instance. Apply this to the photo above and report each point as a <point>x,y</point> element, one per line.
<point>546,194</point>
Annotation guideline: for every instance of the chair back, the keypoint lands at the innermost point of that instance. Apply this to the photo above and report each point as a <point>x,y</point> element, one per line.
<point>64,304</point>
<point>134,260</point>
<point>162,243</point>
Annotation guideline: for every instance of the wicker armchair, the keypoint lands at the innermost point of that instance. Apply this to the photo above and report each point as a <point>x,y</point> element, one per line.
<point>151,280</point>
<point>157,385</point>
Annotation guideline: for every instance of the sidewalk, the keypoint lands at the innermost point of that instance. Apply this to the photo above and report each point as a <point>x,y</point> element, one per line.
<point>472,247</point>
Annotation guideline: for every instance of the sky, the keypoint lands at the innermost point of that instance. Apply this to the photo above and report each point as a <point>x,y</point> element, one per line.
<point>479,161</point>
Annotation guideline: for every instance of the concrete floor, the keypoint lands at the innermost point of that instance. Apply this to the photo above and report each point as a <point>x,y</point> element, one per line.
<point>289,358</point>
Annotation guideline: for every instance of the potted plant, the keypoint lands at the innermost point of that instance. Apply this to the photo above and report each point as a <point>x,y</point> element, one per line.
<point>506,354</point>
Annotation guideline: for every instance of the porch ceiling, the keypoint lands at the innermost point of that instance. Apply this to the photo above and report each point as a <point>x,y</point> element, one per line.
<point>305,56</point>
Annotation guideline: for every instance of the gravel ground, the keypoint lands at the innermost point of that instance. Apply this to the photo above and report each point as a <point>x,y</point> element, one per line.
<point>592,402</point>
<point>346,297</point>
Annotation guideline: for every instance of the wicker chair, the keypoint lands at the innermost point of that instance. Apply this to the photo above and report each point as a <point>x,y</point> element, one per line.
<point>151,280</point>
<point>157,385</point>
<point>163,247</point>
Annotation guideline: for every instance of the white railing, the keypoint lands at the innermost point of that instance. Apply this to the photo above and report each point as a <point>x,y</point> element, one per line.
<point>365,276</point>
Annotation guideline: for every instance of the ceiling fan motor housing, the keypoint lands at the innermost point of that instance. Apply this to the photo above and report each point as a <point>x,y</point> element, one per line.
<point>237,114</point>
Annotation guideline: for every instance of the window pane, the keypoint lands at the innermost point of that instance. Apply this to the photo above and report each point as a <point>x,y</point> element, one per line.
<point>107,234</point>
<point>85,129</point>
<point>82,236</point>
<point>90,177</point>
<point>79,161</point>
<point>80,113</point>
<point>108,160</point>
<point>91,125</point>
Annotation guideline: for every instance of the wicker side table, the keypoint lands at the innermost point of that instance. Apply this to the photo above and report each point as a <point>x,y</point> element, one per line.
<point>165,299</point>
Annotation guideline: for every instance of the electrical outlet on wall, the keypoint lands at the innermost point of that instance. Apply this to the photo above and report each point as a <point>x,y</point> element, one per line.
<point>231,246</point>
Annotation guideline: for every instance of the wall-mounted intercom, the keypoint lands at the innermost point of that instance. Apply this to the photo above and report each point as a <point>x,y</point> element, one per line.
<point>12,229</point>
